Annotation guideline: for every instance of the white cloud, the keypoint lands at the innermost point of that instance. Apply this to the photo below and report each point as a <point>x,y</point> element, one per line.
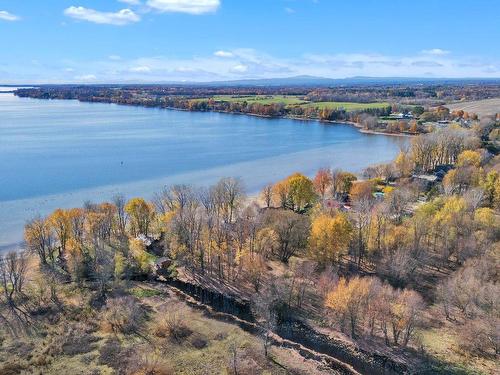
<point>114,57</point>
<point>140,69</point>
<point>120,18</point>
<point>86,77</point>
<point>6,16</point>
<point>185,6</point>
<point>223,54</point>
<point>289,10</point>
<point>240,68</point>
<point>130,2</point>
<point>435,52</point>
<point>249,63</point>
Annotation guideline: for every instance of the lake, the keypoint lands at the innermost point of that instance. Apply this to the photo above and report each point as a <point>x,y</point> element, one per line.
<point>57,153</point>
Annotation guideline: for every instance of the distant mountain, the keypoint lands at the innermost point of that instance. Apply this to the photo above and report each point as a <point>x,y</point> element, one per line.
<point>302,80</point>
<point>305,80</point>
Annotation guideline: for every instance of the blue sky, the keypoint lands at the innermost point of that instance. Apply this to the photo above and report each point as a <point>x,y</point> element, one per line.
<point>93,41</point>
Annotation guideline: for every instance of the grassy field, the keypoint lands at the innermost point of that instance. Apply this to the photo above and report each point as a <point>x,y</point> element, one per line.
<point>486,107</point>
<point>262,99</point>
<point>81,342</point>
<point>295,100</point>
<point>348,106</point>
<point>441,343</point>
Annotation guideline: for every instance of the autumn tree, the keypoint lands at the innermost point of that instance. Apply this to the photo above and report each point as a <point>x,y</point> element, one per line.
<point>290,230</point>
<point>329,238</point>
<point>267,195</point>
<point>347,302</point>
<point>342,182</point>
<point>141,214</point>
<point>281,194</point>
<point>470,299</point>
<point>469,158</point>
<point>121,215</point>
<point>60,223</point>
<point>295,192</point>
<point>405,314</point>
<point>491,186</point>
<point>39,239</point>
<point>404,164</point>
<point>266,242</point>
<point>301,191</point>
<point>322,182</point>
<point>232,194</point>
<point>361,190</point>
<point>254,266</point>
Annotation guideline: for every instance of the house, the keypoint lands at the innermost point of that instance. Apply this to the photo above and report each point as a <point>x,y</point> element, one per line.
<point>401,116</point>
<point>427,181</point>
<point>441,170</point>
<point>162,266</point>
<point>336,205</point>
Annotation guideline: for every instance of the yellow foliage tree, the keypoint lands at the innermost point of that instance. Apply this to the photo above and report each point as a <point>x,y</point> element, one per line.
<point>141,215</point>
<point>266,242</point>
<point>138,252</point>
<point>60,223</point>
<point>329,238</point>
<point>491,187</point>
<point>469,158</point>
<point>281,193</point>
<point>348,301</point>
<point>301,191</point>
<point>361,190</point>
<point>404,164</point>
<point>485,218</point>
<point>294,192</point>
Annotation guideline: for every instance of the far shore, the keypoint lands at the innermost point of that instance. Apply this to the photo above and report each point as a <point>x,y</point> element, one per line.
<point>297,118</point>
<point>359,127</point>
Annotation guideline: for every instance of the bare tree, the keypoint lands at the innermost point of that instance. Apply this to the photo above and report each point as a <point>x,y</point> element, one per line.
<point>13,270</point>
<point>292,230</point>
<point>39,239</point>
<point>267,195</point>
<point>265,307</point>
<point>121,215</point>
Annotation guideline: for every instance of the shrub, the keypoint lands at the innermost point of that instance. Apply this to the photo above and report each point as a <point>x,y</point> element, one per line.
<point>110,354</point>
<point>145,361</point>
<point>78,343</point>
<point>173,326</point>
<point>12,367</point>
<point>199,343</point>
<point>124,315</point>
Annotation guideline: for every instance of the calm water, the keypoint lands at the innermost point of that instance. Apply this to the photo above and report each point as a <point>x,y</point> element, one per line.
<point>62,153</point>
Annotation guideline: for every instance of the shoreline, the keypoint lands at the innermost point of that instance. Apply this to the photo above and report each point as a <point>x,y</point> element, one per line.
<point>296,118</point>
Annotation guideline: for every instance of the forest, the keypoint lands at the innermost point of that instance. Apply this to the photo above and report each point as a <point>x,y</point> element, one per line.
<point>399,263</point>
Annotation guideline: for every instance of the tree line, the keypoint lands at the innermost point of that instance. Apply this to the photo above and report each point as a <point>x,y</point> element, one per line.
<point>365,248</point>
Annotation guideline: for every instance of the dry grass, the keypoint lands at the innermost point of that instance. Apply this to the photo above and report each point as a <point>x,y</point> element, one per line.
<point>442,344</point>
<point>76,343</point>
<point>486,107</point>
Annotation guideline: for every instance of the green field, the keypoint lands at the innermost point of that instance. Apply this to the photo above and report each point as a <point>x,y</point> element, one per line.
<point>295,100</point>
<point>348,106</point>
<point>262,99</point>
